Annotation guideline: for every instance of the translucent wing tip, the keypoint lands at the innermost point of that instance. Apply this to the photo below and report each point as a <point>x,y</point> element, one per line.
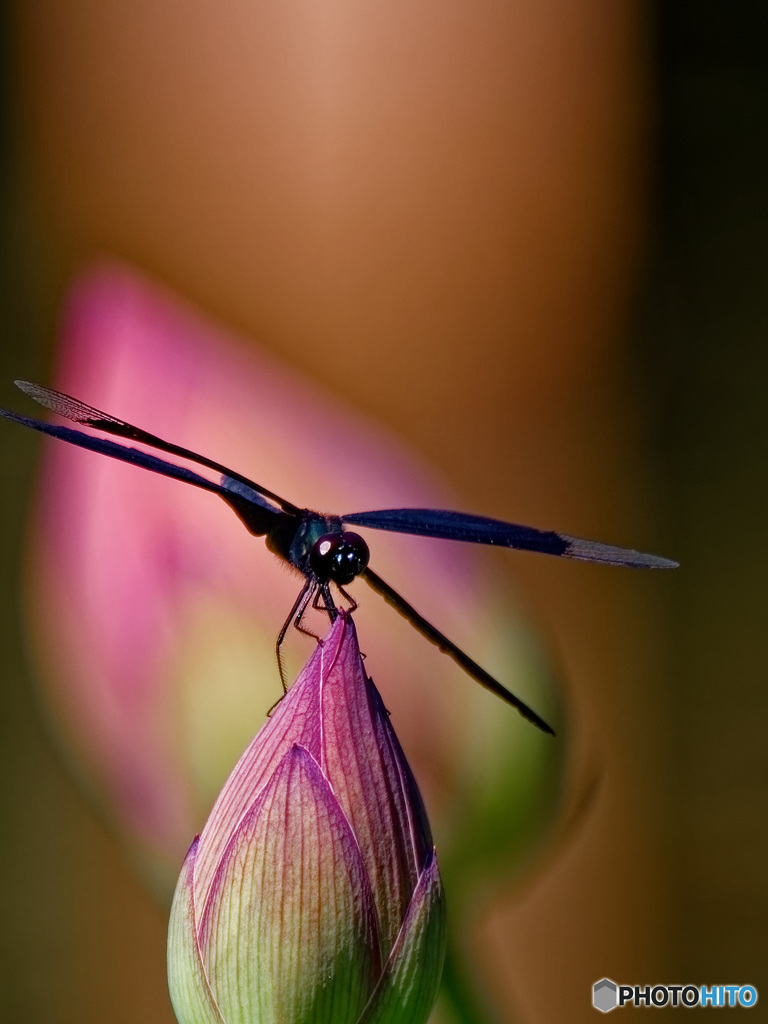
<point>592,551</point>
<point>44,396</point>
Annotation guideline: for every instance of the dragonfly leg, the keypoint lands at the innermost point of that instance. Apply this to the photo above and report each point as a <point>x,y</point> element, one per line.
<point>308,591</point>
<point>324,602</point>
<point>299,607</point>
<point>349,599</point>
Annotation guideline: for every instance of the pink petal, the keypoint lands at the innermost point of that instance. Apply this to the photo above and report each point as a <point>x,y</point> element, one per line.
<point>193,1001</point>
<point>289,925</point>
<point>411,978</point>
<point>371,778</point>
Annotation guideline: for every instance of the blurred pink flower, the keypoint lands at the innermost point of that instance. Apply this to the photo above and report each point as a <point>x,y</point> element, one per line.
<point>155,613</point>
<point>313,891</point>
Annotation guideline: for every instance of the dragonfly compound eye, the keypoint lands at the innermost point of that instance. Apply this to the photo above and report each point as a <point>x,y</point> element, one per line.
<point>339,557</point>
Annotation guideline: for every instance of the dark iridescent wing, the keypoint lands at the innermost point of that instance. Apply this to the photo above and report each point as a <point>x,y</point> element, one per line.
<point>248,503</point>
<point>77,411</point>
<point>441,641</point>
<point>425,522</point>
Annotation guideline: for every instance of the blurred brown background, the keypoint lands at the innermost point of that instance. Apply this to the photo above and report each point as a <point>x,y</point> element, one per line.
<point>533,241</point>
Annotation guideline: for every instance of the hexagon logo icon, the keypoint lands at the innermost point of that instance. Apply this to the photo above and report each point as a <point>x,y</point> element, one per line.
<point>604,995</point>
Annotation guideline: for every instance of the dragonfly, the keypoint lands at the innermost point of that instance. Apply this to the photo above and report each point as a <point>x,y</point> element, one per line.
<point>321,547</point>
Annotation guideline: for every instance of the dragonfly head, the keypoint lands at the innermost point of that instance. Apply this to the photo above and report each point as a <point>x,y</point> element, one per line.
<point>338,557</point>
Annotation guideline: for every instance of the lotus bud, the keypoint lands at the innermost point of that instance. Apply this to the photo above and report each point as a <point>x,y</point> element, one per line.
<point>313,892</point>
